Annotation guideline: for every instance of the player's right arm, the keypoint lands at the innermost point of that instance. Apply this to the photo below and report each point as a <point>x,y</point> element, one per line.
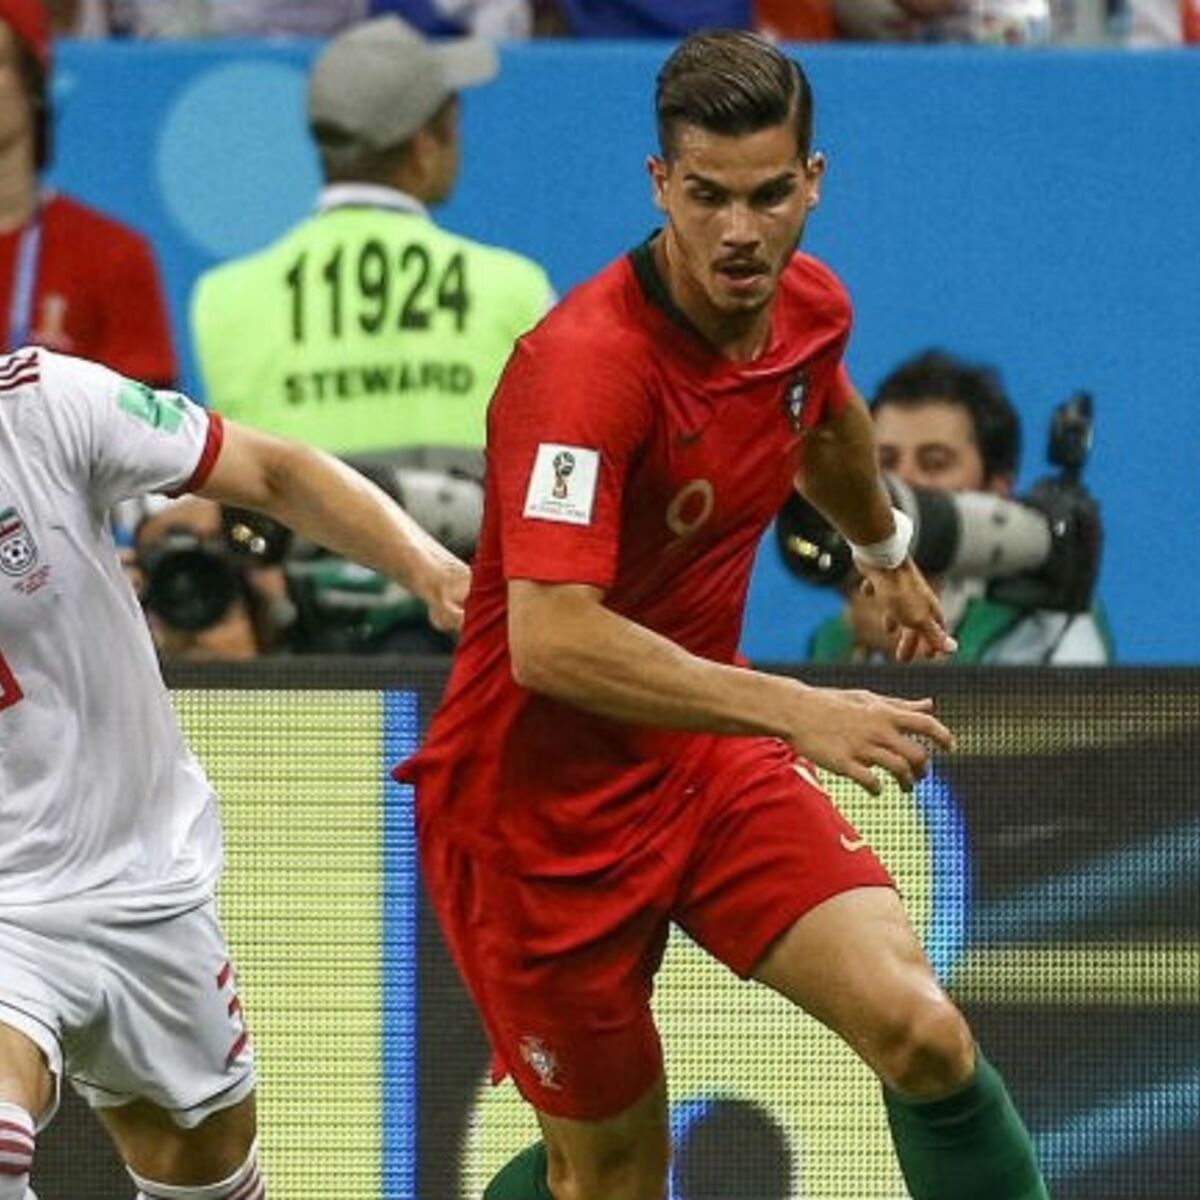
<point>565,643</point>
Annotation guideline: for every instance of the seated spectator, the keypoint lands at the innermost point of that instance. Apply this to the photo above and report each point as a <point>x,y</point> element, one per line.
<point>234,18</point>
<point>651,18</point>
<point>499,20</point>
<point>889,20</point>
<point>948,425</point>
<point>1164,22</point>
<point>71,278</point>
<point>1001,22</point>
<point>795,20</point>
<point>78,18</point>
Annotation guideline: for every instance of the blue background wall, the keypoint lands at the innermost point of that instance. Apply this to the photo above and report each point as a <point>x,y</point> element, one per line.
<point>1035,209</point>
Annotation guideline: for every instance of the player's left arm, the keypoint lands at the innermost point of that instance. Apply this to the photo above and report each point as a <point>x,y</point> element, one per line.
<point>841,477</point>
<point>326,501</point>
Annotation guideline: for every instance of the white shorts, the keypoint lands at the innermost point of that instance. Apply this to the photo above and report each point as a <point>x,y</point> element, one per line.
<point>129,1009</point>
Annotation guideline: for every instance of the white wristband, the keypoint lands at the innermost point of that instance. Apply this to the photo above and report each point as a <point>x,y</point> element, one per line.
<point>888,554</point>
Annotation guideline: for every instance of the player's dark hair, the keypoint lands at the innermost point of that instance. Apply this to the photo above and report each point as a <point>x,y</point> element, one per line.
<point>731,83</point>
<point>934,375</point>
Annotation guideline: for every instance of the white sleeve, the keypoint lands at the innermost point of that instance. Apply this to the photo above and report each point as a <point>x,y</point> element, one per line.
<point>121,438</point>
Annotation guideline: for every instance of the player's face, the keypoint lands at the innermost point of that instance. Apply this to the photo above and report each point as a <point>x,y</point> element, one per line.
<point>735,208</point>
<point>16,113</point>
<point>933,446</point>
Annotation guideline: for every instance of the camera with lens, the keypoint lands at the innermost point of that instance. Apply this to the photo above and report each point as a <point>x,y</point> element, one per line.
<point>345,608</point>
<point>332,606</point>
<point>1038,551</point>
<point>192,581</point>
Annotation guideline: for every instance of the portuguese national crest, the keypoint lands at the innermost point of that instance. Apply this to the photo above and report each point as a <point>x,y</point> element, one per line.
<point>794,399</point>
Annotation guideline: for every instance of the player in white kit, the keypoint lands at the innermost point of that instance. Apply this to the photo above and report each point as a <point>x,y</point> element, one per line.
<point>113,968</point>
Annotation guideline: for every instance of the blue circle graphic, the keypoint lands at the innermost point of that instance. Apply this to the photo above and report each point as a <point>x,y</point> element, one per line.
<point>234,163</point>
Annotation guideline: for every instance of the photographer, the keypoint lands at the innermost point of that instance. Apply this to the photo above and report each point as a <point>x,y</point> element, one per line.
<point>203,599</point>
<point>222,583</point>
<point>947,425</point>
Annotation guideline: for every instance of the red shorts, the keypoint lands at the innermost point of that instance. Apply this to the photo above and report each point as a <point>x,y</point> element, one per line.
<point>561,969</point>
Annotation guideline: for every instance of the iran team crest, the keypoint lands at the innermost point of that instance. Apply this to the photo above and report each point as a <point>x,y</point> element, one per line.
<point>18,551</point>
<point>794,398</point>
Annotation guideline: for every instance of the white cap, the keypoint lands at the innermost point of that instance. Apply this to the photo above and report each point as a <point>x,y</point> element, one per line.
<point>379,82</point>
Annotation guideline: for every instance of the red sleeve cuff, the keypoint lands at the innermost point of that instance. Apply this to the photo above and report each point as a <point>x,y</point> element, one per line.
<point>208,456</point>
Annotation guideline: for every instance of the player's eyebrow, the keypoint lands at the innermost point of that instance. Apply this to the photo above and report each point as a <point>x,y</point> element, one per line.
<point>785,177</point>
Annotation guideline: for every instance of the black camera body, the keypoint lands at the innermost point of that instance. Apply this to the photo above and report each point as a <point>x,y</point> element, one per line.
<point>192,582</point>
<point>1038,551</point>
<point>333,606</point>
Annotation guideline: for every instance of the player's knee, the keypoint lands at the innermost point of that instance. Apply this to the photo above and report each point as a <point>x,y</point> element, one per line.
<point>16,1151</point>
<point>927,1049</point>
<point>631,1172</point>
<point>246,1183</point>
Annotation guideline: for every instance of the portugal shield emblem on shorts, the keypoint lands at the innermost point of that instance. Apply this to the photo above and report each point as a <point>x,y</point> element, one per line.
<point>545,1066</point>
<point>794,399</point>
<point>18,551</point>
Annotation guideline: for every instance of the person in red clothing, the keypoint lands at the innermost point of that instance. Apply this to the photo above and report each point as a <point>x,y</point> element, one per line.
<point>71,278</point>
<point>603,763</point>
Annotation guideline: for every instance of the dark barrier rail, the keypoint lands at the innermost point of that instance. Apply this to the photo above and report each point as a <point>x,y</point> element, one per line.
<point>1052,866</point>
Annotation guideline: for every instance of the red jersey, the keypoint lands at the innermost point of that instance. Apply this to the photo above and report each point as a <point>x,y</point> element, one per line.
<point>96,292</point>
<point>623,452</point>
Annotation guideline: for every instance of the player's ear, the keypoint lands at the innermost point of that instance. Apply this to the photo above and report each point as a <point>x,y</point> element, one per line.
<point>814,172</point>
<point>656,168</point>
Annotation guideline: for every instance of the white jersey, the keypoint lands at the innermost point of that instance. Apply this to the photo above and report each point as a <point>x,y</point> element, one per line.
<point>99,794</point>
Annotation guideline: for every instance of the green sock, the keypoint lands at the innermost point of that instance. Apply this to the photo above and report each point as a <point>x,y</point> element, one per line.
<point>968,1146</point>
<point>522,1178</point>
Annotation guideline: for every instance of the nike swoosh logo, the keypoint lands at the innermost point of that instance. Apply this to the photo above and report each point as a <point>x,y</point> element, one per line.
<point>852,844</point>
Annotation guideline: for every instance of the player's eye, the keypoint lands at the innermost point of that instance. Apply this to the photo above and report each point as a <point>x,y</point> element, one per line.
<point>773,193</point>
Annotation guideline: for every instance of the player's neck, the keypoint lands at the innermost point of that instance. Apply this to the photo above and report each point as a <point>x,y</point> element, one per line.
<point>739,338</point>
<point>18,186</point>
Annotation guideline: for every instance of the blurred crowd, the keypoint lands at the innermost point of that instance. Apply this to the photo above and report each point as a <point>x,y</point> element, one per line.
<point>1137,22</point>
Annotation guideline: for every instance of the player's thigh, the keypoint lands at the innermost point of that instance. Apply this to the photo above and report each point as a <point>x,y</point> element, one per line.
<point>626,1155</point>
<point>561,971</point>
<point>173,1032</point>
<point>772,847</point>
<point>153,1144</point>
<point>854,963</point>
<point>45,992</point>
<point>25,1076</point>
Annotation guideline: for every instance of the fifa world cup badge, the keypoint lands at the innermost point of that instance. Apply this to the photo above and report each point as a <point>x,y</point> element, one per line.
<point>564,464</point>
<point>18,551</point>
<point>795,396</point>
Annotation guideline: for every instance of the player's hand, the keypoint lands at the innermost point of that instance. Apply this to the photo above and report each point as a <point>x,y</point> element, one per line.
<point>911,612</point>
<point>445,593</point>
<point>853,732</point>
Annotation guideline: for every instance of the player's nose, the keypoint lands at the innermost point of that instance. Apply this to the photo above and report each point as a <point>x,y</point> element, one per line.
<point>741,230</point>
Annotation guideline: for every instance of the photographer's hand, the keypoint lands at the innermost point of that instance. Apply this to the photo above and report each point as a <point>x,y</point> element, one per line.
<point>910,610</point>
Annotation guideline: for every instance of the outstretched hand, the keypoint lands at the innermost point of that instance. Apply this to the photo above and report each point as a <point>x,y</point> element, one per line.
<point>911,612</point>
<point>853,732</point>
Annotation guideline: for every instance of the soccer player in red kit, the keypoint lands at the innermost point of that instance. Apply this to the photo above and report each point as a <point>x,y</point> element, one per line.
<point>602,765</point>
